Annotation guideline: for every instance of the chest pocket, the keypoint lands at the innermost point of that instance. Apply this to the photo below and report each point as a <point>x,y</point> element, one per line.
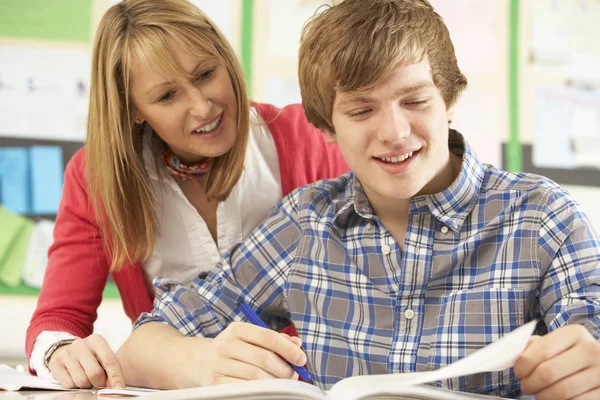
<point>469,320</point>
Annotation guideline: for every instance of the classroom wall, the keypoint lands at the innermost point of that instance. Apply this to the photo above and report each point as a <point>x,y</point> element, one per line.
<point>268,49</point>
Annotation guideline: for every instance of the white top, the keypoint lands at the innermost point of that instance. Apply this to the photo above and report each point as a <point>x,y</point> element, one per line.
<point>184,246</point>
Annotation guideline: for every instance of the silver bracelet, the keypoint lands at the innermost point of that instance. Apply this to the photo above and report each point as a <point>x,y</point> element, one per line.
<point>55,347</point>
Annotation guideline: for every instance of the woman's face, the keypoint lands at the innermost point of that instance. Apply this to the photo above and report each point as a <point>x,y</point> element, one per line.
<point>196,118</point>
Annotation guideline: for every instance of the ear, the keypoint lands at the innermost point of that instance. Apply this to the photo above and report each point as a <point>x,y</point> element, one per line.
<point>330,137</point>
<point>137,117</point>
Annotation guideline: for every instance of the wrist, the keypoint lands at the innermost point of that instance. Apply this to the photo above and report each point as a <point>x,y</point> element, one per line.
<point>53,348</point>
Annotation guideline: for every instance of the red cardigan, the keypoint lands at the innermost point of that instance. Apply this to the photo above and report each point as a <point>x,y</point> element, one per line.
<point>78,266</point>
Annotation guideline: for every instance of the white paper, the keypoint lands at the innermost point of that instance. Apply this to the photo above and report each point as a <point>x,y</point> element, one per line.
<point>44,92</point>
<point>11,380</point>
<point>497,356</point>
<point>561,31</point>
<point>566,128</point>
<point>129,391</point>
<point>36,259</point>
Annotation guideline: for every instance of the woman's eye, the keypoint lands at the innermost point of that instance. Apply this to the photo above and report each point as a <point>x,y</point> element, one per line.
<point>166,97</point>
<point>205,75</point>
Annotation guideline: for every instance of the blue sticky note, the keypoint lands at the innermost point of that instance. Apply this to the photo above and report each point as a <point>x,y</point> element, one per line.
<point>15,192</point>
<point>46,163</point>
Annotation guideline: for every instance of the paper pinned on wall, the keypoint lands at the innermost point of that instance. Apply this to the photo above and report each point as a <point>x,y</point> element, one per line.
<point>15,191</point>
<point>566,128</point>
<point>44,92</point>
<point>36,260</point>
<point>563,29</point>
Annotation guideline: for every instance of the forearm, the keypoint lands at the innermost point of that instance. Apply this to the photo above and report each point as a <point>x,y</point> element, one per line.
<point>158,356</point>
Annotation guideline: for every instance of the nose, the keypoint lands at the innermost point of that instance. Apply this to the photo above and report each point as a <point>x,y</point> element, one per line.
<point>199,103</point>
<point>395,126</point>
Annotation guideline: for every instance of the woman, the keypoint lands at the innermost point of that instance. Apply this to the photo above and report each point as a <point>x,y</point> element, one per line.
<point>178,167</point>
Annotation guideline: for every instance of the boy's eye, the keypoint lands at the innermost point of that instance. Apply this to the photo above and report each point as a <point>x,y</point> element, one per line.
<point>360,113</point>
<point>205,75</point>
<point>166,97</point>
<point>416,102</point>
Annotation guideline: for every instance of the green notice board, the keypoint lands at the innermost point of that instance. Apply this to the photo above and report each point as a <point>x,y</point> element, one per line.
<point>67,20</point>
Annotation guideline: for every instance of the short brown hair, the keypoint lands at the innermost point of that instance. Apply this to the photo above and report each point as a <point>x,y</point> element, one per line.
<point>138,30</point>
<point>352,46</point>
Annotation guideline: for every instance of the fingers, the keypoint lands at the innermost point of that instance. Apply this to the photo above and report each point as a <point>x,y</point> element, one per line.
<point>110,364</point>
<point>294,339</point>
<point>553,370</point>
<point>564,364</point>
<point>85,363</point>
<point>269,340</point>
<point>93,371</point>
<point>591,395</point>
<point>241,370</point>
<point>62,375</point>
<point>260,358</point>
<point>77,373</point>
<point>579,384</point>
<point>540,349</point>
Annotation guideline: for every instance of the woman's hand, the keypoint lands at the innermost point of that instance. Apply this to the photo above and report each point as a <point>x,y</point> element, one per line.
<point>247,352</point>
<point>87,363</point>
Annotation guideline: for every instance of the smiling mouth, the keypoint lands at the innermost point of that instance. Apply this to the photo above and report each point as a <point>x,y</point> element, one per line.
<point>398,159</point>
<point>209,127</point>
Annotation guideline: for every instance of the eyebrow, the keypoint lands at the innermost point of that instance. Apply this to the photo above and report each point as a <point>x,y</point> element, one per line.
<point>196,68</point>
<point>399,93</point>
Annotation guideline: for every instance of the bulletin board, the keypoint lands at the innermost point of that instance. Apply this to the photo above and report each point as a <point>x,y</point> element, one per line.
<point>558,93</point>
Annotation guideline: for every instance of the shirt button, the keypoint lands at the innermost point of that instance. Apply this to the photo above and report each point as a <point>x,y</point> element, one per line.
<point>385,249</point>
<point>409,314</point>
<point>423,251</point>
<point>369,227</point>
<point>444,229</point>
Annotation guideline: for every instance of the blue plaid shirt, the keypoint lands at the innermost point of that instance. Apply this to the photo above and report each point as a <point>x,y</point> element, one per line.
<point>481,258</point>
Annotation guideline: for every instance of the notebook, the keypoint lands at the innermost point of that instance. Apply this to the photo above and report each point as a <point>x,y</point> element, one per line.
<point>497,356</point>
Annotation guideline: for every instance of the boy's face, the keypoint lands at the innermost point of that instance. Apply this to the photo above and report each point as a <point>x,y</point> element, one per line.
<point>394,137</point>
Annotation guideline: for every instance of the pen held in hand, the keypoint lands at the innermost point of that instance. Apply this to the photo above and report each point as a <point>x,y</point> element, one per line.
<point>255,320</point>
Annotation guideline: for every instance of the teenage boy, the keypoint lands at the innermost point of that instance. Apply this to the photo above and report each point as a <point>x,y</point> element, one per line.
<point>418,257</point>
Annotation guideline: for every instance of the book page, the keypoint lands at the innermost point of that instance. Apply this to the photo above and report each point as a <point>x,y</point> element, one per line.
<point>11,380</point>
<point>496,356</point>
<point>281,389</point>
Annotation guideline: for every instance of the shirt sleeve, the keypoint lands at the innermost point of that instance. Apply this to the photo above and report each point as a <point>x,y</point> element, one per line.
<point>42,344</point>
<point>255,272</point>
<point>570,258</point>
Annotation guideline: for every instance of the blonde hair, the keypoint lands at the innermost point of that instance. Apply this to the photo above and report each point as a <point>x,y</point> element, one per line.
<point>352,46</point>
<point>119,186</point>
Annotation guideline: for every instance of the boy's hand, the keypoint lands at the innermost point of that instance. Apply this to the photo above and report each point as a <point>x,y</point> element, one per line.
<point>247,352</point>
<point>564,364</point>
<point>87,363</point>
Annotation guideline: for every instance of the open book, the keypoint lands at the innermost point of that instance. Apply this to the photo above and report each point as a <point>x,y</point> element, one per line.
<point>497,356</point>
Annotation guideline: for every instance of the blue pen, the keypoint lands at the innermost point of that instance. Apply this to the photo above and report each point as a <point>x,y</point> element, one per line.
<point>254,319</point>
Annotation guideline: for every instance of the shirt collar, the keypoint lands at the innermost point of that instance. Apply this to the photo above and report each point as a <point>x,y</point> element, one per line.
<point>451,206</point>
